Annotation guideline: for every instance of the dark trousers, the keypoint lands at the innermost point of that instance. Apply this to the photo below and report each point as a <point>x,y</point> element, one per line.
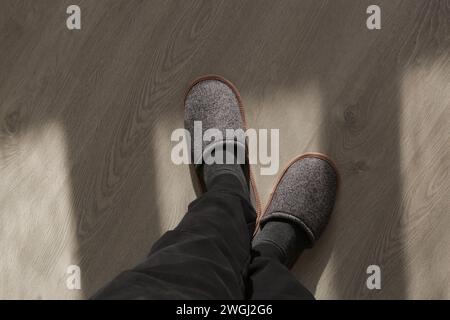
<point>209,256</point>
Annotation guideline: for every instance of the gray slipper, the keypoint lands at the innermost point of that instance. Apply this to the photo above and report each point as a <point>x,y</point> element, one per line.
<point>305,194</point>
<point>216,102</point>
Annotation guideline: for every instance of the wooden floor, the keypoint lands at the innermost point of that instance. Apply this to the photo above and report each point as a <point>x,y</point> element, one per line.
<point>86,118</point>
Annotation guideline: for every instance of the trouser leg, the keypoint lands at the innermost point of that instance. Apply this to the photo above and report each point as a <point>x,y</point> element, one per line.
<point>269,279</point>
<point>205,257</point>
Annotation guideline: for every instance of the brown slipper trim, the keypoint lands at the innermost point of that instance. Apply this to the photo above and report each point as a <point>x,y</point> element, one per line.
<point>242,111</point>
<point>295,159</point>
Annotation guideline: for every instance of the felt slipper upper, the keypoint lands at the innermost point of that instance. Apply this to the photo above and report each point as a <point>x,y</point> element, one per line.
<point>215,102</point>
<point>305,195</point>
<point>216,105</point>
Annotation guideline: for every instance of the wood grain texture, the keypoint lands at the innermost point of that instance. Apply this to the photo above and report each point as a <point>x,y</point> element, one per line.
<point>86,118</point>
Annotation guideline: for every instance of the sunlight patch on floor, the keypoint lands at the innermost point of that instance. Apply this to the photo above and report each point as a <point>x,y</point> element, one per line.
<point>425,163</point>
<point>37,232</point>
<point>297,113</point>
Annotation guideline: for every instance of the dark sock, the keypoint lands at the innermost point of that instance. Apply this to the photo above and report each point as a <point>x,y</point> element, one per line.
<point>212,171</point>
<point>281,240</point>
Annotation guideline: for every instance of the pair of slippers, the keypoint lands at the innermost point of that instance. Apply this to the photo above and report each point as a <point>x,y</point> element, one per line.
<point>306,190</point>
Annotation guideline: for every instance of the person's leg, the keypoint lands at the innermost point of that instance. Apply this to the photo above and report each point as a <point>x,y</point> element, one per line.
<point>205,257</point>
<point>269,274</point>
<point>297,213</point>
